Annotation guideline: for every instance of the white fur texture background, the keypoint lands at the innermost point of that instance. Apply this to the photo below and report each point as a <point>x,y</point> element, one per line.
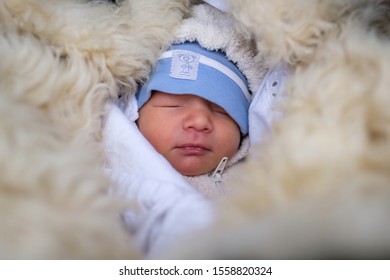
<point>318,187</point>
<point>61,61</point>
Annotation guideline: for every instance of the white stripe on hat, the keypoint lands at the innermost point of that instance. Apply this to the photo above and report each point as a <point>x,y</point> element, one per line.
<point>218,66</point>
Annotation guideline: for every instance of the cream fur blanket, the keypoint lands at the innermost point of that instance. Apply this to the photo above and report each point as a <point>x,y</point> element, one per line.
<point>318,187</point>
<point>61,61</point>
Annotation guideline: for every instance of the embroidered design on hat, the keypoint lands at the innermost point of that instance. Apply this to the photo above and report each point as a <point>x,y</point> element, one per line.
<point>187,65</point>
<point>184,65</point>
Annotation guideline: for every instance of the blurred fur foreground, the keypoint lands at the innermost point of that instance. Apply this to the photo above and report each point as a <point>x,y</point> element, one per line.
<point>61,61</point>
<point>317,187</point>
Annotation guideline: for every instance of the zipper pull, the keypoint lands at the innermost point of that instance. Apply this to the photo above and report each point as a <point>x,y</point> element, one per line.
<point>217,175</point>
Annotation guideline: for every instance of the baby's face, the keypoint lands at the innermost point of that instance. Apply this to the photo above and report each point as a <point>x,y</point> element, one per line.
<point>193,134</point>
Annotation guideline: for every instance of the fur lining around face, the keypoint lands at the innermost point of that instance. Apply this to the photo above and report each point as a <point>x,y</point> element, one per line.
<point>319,186</point>
<point>61,62</point>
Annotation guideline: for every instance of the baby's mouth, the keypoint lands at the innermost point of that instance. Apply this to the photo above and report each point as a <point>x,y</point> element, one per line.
<point>193,149</point>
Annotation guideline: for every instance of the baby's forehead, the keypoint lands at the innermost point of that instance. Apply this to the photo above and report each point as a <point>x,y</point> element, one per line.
<point>162,94</point>
<point>181,96</point>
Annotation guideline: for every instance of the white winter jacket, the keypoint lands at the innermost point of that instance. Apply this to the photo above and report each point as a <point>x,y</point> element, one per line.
<point>169,206</point>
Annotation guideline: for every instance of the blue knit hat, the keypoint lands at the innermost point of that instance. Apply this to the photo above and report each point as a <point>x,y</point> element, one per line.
<point>187,68</point>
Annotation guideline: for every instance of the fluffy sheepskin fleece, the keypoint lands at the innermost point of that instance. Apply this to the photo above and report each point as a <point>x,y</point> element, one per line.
<point>318,186</point>
<point>61,62</point>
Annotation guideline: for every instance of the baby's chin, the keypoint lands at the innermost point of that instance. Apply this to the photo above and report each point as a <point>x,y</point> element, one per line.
<point>192,172</point>
<point>192,169</point>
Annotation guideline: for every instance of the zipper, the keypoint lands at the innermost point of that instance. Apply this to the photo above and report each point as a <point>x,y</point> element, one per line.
<point>217,174</point>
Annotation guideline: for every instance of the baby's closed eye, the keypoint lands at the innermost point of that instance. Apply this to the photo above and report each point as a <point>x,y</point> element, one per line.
<point>168,104</point>
<point>219,110</point>
<point>164,100</point>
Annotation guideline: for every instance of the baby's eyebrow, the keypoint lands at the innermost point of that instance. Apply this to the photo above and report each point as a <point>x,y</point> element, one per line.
<point>167,100</point>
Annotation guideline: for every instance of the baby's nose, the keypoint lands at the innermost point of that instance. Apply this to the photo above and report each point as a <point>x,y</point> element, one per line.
<point>198,118</point>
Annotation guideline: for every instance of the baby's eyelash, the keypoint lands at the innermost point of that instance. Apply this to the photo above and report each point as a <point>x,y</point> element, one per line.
<point>168,105</point>
<point>219,111</point>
